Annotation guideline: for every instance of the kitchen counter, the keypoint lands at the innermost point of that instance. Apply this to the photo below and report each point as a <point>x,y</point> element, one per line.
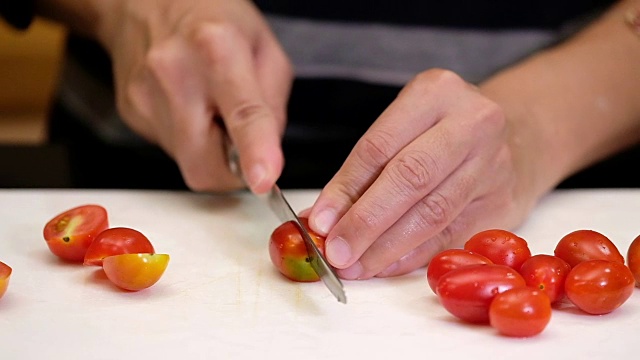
<point>221,298</point>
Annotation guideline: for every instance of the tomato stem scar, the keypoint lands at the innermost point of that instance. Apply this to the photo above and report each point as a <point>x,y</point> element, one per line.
<point>66,239</point>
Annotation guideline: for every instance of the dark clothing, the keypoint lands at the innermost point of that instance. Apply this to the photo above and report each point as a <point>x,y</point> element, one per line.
<point>351,59</point>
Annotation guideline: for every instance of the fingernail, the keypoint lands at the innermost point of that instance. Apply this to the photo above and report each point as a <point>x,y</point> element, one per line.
<point>257,174</point>
<point>324,221</point>
<point>338,252</point>
<point>353,272</point>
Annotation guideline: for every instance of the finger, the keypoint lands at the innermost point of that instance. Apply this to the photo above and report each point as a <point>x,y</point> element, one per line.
<point>188,132</point>
<point>396,127</point>
<point>433,217</point>
<point>250,121</point>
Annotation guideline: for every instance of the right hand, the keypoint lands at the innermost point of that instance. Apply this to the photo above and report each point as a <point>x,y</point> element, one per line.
<point>180,64</point>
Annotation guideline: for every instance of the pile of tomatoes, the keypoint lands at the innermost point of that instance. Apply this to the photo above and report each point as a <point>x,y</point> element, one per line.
<point>494,279</point>
<point>82,235</point>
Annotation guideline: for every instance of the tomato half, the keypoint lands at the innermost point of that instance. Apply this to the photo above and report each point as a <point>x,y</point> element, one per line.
<point>599,286</point>
<point>500,246</point>
<point>581,245</point>
<point>135,272</point>
<point>116,241</point>
<point>451,259</point>
<point>546,273</point>
<point>70,233</point>
<point>467,292</point>
<point>5,275</point>
<point>288,251</point>
<point>633,259</point>
<point>520,312</point>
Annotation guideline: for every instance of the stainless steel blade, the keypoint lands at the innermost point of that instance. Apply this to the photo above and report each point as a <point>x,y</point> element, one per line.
<point>281,207</point>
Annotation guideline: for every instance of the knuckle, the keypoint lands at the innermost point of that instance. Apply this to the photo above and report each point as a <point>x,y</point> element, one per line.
<point>364,218</point>
<point>435,78</point>
<point>435,210</point>
<point>413,171</point>
<point>375,149</point>
<point>215,40</point>
<point>246,113</point>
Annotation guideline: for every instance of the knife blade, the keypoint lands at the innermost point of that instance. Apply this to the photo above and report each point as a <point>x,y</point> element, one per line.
<point>282,209</point>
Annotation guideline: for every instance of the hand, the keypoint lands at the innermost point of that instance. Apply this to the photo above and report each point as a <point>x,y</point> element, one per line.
<point>180,64</point>
<point>436,167</point>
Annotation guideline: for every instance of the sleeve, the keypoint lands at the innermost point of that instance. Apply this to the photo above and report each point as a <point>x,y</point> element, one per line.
<point>18,13</point>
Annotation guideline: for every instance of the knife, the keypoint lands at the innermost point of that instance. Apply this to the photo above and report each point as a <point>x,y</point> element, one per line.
<point>280,206</point>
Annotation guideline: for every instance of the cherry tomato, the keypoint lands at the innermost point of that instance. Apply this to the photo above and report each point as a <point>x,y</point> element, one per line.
<point>599,286</point>
<point>581,245</point>
<point>116,241</point>
<point>546,273</point>
<point>467,292</point>
<point>288,251</point>
<point>500,246</point>
<point>70,233</point>
<point>520,312</point>
<point>451,259</point>
<point>633,259</point>
<point>135,272</point>
<point>5,275</point>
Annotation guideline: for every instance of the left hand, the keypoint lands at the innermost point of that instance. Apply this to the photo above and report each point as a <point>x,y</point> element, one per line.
<point>436,167</point>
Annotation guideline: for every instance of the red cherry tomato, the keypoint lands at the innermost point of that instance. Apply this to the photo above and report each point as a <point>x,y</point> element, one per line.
<point>633,259</point>
<point>135,272</point>
<point>467,292</point>
<point>500,246</point>
<point>116,241</point>
<point>70,233</point>
<point>289,253</point>
<point>581,245</point>
<point>451,259</point>
<point>546,273</point>
<point>520,312</point>
<point>5,275</point>
<point>599,286</point>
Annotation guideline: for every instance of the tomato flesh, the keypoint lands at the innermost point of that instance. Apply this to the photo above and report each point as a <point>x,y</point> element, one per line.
<point>520,312</point>
<point>116,241</point>
<point>467,292</point>
<point>451,259</point>
<point>546,273</point>
<point>633,259</point>
<point>582,245</point>
<point>599,286</point>
<point>288,251</point>
<point>5,275</point>
<point>500,246</point>
<point>69,234</point>
<point>135,272</point>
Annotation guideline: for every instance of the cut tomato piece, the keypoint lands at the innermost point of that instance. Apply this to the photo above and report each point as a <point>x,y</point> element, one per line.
<point>135,272</point>
<point>5,274</point>
<point>70,233</point>
<point>117,241</point>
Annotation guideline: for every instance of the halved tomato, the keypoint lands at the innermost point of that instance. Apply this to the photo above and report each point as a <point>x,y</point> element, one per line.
<point>116,241</point>
<point>70,233</point>
<point>5,274</point>
<point>135,272</point>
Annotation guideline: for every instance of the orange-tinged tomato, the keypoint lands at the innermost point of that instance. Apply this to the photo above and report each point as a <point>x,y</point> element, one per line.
<point>633,259</point>
<point>520,312</point>
<point>116,241</point>
<point>135,272</point>
<point>5,275</point>
<point>288,251</point>
<point>599,286</point>
<point>70,233</point>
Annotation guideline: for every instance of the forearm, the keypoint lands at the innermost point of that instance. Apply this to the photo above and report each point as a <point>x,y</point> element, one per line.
<point>575,104</point>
